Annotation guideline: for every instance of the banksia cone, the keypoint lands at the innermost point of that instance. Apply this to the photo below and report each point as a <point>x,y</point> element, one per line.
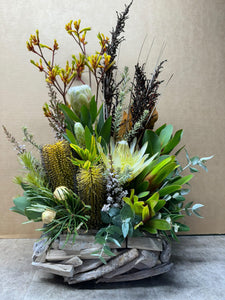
<point>57,164</point>
<point>91,191</point>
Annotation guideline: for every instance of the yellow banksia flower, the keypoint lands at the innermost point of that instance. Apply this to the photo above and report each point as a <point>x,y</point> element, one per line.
<point>57,164</point>
<point>91,191</point>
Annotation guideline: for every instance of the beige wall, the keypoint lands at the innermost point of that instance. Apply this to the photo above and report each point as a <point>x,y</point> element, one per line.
<point>194,100</point>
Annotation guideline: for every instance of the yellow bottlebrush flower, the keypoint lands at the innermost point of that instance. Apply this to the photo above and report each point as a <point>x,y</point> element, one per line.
<point>48,216</point>
<point>91,190</point>
<point>125,160</point>
<point>61,193</point>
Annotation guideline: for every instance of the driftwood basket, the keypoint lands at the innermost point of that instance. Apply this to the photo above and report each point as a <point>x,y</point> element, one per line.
<point>138,258</point>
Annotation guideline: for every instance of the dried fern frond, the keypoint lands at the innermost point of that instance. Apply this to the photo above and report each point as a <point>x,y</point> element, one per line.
<point>58,166</point>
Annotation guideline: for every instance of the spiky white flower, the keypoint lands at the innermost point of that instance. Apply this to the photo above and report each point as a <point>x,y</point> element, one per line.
<point>125,160</point>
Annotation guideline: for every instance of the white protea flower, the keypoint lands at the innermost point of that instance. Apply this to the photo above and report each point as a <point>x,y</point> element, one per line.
<point>79,96</point>
<point>125,160</point>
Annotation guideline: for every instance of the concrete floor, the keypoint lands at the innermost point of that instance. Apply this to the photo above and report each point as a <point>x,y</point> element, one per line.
<point>198,273</point>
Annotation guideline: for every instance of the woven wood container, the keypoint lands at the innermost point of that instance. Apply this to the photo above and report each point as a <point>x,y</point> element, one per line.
<point>138,258</point>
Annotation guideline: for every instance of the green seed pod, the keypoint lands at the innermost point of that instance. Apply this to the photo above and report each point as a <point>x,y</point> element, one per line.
<point>79,96</point>
<point>80,134</point>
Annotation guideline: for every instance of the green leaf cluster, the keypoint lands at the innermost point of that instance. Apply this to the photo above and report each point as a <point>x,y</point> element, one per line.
<point>92,120</point>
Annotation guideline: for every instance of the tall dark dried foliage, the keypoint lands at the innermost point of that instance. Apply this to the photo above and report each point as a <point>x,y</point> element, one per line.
<point>110,88</point>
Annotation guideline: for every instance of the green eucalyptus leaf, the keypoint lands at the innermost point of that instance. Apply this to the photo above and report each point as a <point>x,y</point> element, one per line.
<point>102,260</point>
<point>114,211</point>
<point>194,160</point>
<point>182,227</point>
<point>204,159</point>
<point>105,217</point>
<point>108,252</point>
<point>184,192</point>
<point>197,214</point>
<point>195,209</point>
<point>117,220</point>
<point>187,156</point>
<point>179,197</point>
<point>113,240</point>
<point>197,206</point>
<point>203,166</point>
<point>189,204</point>
<point>126,212</point>
<point>125,229</point>
<point>193,170</point>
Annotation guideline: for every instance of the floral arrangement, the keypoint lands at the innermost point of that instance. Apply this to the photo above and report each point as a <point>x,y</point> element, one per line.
<point>109,170</point>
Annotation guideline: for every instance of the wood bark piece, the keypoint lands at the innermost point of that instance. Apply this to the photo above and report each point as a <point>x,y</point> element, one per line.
<point>82,242</point>
<point>123,269</point>
<point>88,265</point>
<point>57,255</point>
<point>74,261</point>
<point>58,269</point>
<point>150,259</point>
<point>87,253</point>
<point>160,269</point>
<point>113,264</point>
<point>40,248</point>
<point>166,253</point>
<point>146,243</point>
<point>55,244</point>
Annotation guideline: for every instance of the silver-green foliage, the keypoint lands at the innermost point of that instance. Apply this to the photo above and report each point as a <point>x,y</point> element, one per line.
<point>124,90</point>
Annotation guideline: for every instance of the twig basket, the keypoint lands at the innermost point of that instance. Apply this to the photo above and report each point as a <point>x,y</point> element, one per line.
<point>138,258</point>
